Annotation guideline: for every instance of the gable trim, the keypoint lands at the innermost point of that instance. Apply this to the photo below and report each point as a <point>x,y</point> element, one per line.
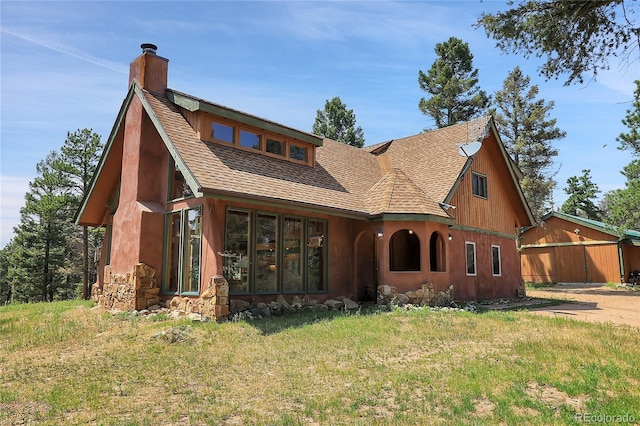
<point>105,154</point>
<point>186,172</point>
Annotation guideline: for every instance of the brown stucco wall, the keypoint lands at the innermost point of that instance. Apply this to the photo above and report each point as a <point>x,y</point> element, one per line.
<point>406,281</point>
<point>138,223</point>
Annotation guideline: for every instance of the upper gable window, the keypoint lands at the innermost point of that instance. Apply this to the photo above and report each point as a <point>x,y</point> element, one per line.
<point>249,139</point>
<point>297,152</point>
<point>178,186</point>
<point>222,132</point>
<point>275,147</point>
<point>479,184</point>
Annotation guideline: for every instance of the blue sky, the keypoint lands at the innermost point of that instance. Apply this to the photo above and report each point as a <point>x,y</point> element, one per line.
<point>64,66</point>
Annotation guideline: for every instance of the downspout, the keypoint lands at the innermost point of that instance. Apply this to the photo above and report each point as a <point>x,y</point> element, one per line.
<point>621,262</point>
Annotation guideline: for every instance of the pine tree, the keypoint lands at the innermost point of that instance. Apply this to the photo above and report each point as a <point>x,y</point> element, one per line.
<point>79,157</point>
<point>39,247</point>
<point>623,205</point>
<point>453,85</point>
<point>338,123</point>
<point>528,132</point>
<point>582,193</point>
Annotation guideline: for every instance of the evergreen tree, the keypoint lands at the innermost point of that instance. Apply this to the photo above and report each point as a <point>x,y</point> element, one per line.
<point>338,123</point>
<point>582,193</point>
<point>576,37</point>
<point>631,139</point>
<point>78,160</point>
<point>623,205</point>
<point>39,247</point>
<point>453,85</point>
<point>528,132</point>
<point>5,283</point>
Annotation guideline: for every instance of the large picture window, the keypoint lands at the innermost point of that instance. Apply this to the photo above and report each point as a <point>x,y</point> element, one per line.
<point>266,254</point>
<point>270,253</point>
<point>292,271</point>
<point>182,252</point>
<point>316,255</point>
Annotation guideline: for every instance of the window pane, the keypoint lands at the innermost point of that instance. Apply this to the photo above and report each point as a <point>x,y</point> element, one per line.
<point>316,254</point>
<point>249,139</point>
<point>495,256</point>
<point>293,244</point>
<point>178,187</point>
<point>471,258</point>
<point>266,253</point>
<point>236,255</point>
<point>173,253</point>
<point>479,185</point>
<point>222,132</point>
<point>297,152</point>
<point>275,146</point>
<point>192,251</point>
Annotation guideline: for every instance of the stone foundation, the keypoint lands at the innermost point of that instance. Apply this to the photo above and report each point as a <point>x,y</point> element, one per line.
<point>134,290</point>
<point>212,303</point>
<point>425,296</point>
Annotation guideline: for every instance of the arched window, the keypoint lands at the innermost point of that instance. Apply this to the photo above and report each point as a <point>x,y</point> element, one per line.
<point>404,251</point>
<point>437,253</point>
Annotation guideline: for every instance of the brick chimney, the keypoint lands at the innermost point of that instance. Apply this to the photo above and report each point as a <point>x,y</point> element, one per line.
<point>149,70</point>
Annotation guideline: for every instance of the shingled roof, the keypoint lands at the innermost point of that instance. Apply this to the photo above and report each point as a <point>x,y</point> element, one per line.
<point>411,175</point>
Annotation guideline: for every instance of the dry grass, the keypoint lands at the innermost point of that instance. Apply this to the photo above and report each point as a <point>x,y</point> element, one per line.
<point>65,363</point>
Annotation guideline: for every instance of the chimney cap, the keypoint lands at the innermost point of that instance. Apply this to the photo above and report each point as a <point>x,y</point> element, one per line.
<point>149,48</point>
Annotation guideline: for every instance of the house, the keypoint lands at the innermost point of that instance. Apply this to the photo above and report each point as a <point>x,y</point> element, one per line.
<point>567,248</point>
<point>189,190</point>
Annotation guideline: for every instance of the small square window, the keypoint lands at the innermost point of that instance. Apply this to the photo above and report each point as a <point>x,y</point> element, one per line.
<point>297,152</point>
<point>222,132</point>
<point>249,139</point>
<point>479,185</point>
<point>275,146</point>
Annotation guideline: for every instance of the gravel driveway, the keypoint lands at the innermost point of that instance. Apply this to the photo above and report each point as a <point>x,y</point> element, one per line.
<point>591,302</point>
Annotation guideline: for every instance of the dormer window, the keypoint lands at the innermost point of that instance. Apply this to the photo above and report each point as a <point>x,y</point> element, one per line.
<point>255,139</point>
<point>249,139</point>
<point>222,132</point>
<point>297,152</point>
<point>275,147</point>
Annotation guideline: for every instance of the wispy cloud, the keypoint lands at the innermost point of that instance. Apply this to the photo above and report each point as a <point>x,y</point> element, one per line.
<point>67,50</point>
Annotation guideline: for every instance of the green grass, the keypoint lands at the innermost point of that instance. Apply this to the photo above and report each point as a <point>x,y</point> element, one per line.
<point>64,363</point>
<point>530,285</point>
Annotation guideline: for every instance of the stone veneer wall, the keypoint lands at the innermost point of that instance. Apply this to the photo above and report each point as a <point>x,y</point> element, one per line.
<point>212,303</point>
<point>134,290</point>
<point>137,290</point>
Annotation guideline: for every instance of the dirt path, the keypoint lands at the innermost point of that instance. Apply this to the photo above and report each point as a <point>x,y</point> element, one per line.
<point>591,302</point>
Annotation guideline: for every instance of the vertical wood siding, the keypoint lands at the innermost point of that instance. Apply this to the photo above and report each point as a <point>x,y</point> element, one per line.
<point>499,211</point>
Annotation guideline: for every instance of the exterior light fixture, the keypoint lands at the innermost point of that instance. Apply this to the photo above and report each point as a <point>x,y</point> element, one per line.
<point>450,237</point>
<point>410,232</point>
<point>380,233</point>
<point>577,231</point>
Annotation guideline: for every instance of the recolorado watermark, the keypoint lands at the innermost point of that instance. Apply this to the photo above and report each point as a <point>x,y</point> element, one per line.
<point>605,418</point>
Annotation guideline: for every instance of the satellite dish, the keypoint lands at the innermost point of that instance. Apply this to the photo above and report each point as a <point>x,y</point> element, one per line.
<point>469,148</point>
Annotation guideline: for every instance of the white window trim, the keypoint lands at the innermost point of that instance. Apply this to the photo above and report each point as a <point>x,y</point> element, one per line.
<point>499,274</point>
<point>475,263</point>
